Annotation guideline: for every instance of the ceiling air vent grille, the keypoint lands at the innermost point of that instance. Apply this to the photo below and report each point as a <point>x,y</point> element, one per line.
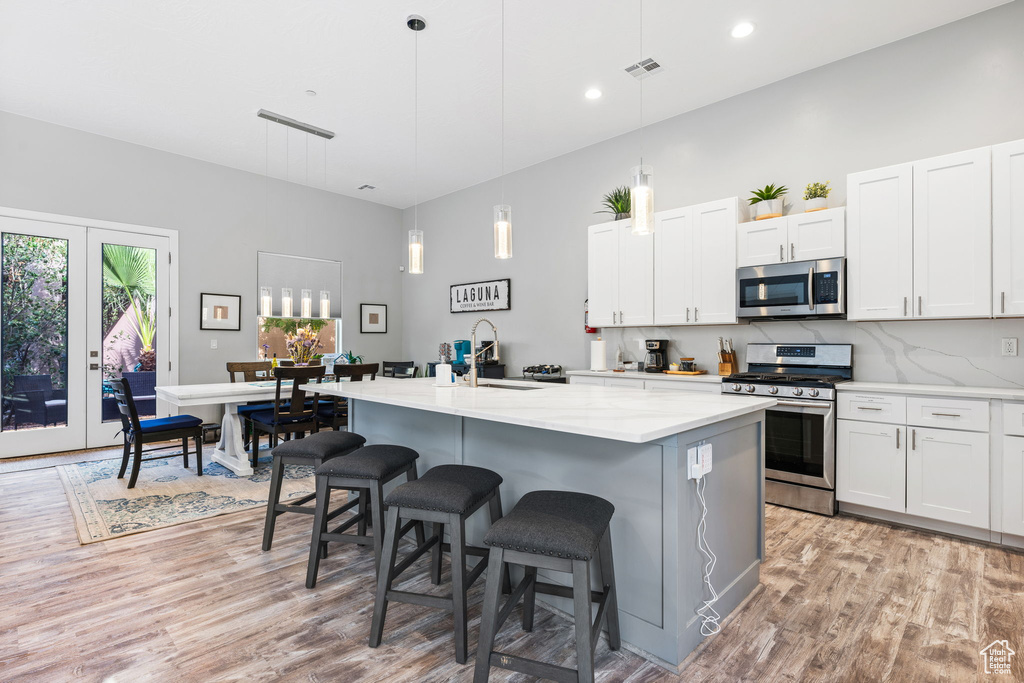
<point>643,69</point>
<point>367,187</point>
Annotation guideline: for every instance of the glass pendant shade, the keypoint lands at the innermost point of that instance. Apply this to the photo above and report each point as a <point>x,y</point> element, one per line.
<point>325,303</point>
<point>641,197</point>
<point>502,231</point>
<point>266,302</point>
<point>286,302</point>
<point>306,305</point>
<point>416,252</point>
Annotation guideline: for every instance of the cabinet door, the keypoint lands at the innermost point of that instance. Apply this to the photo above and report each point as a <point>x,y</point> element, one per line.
<point>603,274</point>
<point>871,462</point>
<point>636,278</point>
<point>1008,228</point>
<point>1013,485</point>
<point>947,476</point>
<point>586,379</point>
<point>953,235</point>
<point>880,243</point>
<point>673,258</point>
<point>759,243</point>
<point>714,262</point>
<point>817,235</point>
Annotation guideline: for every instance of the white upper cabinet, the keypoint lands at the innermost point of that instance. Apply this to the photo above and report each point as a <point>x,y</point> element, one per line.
<point>1008,228</point>
<point>695,264</point>
<point>801,237</point>
<point>620,275</point>
<point>880,245</point>
<point>953,235</point>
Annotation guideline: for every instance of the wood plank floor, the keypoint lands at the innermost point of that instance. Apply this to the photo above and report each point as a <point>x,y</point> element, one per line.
<point>843,599</point>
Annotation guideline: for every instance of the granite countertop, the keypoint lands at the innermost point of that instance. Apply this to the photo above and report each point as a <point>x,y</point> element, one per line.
<point>622,414</point>
<point>934,390</point>
<point>634,374</point>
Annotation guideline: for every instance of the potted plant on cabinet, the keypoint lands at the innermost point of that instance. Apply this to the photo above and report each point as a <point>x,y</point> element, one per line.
<point>616,202</point>
<point>816,196</point>
<point>768,201</point>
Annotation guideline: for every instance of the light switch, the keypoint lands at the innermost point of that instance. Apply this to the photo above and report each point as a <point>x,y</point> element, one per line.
<point>213,343</point>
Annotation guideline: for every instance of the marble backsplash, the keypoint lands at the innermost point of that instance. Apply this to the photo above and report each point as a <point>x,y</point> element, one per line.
<point>949,352</point>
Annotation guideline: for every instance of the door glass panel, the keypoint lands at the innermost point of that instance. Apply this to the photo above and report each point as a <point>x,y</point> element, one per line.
<point>33,332</point>
<point>129,326</point>
<point>795,442</point>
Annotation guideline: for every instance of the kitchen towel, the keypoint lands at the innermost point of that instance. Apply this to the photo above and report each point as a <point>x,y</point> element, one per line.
<point>598,357</point>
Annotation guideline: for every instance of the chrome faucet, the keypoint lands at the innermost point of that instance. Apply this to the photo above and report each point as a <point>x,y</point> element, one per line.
<point>474,353</point>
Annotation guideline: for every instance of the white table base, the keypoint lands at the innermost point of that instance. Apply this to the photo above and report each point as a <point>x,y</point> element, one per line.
<point>230,451</point>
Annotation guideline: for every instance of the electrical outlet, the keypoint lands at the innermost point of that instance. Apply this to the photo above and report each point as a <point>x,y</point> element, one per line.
<point>1009,346</point>
<point>213,343</point>
<point>704,454</point>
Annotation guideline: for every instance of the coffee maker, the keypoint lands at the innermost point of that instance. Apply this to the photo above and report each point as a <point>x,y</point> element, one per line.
<point>656,352</point>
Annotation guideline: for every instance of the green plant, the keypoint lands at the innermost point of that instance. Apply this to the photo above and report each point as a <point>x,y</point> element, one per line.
<point>133,270</point>
<point>816,190</point>
<point>351,358</point>
<point>768,193</point>
<point>292,325</point>
<point>617,201</point>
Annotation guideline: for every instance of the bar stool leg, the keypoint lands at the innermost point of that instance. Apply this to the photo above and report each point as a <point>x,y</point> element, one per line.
<point>377,506</point>
<point>436,555</point>
<point>276,472</point>
<point>608,579</point>
<point>494,509</point>
<point>364,502</point>
<point>581,604</point>
<point>489,619</point>
<point>199,453</point>
<point>184,451</point>
<point>529,598</point>
<point>458,531</point>
<point>323,502</point>
<point>387,566</point>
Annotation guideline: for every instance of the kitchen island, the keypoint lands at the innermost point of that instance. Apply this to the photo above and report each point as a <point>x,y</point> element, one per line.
<point>628,446</point>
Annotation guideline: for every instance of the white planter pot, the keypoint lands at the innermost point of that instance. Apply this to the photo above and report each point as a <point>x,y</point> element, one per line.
<point>771,208</point>
<point>816,204</point>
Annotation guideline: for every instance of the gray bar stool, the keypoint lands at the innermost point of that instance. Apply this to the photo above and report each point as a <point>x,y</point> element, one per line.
<point>445,495</point>
<point>313,450</point>
<point>560,531</point>
<point>365,471</point>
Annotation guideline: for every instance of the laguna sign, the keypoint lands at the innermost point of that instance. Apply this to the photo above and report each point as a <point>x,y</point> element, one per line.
<point>491,295</point>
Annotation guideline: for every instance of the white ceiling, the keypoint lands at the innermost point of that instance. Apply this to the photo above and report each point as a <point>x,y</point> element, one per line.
<point>187,76</point>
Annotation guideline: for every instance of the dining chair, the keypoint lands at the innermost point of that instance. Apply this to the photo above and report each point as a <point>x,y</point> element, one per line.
<point>292,414</point>
<point>334,413</point>
<point>140,432</point>
<point>399,369</point>
<point>250,372</point>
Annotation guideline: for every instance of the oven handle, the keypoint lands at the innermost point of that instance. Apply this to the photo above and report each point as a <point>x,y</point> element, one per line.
<point>804,404</point>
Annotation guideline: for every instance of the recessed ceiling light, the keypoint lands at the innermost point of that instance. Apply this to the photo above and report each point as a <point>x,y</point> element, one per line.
<point>592,94</point>
<point>311,93</point>
<point>742,29</point>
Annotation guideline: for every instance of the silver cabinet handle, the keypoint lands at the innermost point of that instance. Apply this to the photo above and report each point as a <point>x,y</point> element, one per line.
<point>622,318</point>
<point>897,438</point>
<point>904,307</point>
<point>694,314</point>
<point>1002,302</point>
<point>945,415</point>
<point>866,408</point>
<point>810,289</point>
<point>613,317</point>
<point>782,253</point>
<point>687,314</point>
<point>919,305</point>
<point>792,251</point>
<point>913,439</point>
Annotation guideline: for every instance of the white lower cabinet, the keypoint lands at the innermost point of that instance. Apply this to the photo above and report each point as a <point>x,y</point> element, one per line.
<point>871,461</point>
<point>948,476</point>
<point>585,379</point>
<point>1013,485</point>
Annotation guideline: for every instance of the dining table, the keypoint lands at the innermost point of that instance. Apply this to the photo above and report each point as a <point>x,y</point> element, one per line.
<point>230,450</point>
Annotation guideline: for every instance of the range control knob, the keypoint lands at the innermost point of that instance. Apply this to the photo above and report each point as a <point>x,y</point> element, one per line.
<point>797,391</point>
<point>750,388</point>
<point>736,387</point>
<point>773,390</point>
<point>813,393</point>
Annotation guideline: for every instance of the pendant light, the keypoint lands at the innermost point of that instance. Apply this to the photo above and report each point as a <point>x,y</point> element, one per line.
<point>502,212</point>
<point>416,23</point>
<point>641,187</point>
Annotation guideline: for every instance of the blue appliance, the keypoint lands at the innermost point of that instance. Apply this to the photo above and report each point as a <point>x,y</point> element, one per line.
<point>462,347</point>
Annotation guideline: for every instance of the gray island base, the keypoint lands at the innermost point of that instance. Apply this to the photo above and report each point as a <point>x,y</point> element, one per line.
<point>627,446</point>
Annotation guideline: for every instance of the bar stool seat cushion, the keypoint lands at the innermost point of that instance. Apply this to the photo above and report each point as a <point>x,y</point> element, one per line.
<point>370,462</point>
<point>556,523</point>
<point>320,446</point>
<point>446,488</point>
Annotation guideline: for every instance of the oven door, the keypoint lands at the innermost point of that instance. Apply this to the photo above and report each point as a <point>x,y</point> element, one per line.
<point>800,443</point>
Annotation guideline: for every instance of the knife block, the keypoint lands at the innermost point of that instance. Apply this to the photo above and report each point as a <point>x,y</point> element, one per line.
<point>728,365</point>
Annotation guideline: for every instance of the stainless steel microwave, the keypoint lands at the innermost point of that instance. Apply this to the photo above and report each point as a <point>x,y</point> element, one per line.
<point>804,289</point>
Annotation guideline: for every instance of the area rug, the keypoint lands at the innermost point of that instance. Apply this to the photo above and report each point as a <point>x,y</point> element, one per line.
<point>166,494</point>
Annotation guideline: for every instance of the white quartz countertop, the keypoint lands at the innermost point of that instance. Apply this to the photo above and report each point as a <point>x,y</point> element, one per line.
<point>634,374</point>
<point>622,414</point>
<point>933,390</point>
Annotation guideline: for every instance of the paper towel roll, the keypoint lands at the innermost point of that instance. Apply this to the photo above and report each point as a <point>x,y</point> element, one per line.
<point>443,375</point>
<point>598,359</point>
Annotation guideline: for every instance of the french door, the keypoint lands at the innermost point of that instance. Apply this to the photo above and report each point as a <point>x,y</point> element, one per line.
<point>78,307</point>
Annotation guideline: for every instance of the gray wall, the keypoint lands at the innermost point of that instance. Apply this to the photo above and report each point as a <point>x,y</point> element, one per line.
<point>950,89</point>
<point>223,217</point>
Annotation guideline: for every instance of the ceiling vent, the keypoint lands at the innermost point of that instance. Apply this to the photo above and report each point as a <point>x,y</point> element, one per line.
<point>643,69</point>
<point>367,187</point>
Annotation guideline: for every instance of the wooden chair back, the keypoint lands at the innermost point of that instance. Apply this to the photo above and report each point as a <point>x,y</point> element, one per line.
<point>356,371</point>
<point>399,368</point>
<point>249,370</point>
<point>300,375</point>
<point>126,406</point>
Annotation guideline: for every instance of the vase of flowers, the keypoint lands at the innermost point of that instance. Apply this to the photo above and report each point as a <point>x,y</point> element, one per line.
<point>816,196</point>
<point>303,344</point>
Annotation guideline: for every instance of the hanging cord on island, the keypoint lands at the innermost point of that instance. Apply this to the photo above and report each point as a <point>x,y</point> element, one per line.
<point>709,624</point>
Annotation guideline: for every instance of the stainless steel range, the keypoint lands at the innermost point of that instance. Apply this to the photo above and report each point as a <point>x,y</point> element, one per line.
<point>800,432</point>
